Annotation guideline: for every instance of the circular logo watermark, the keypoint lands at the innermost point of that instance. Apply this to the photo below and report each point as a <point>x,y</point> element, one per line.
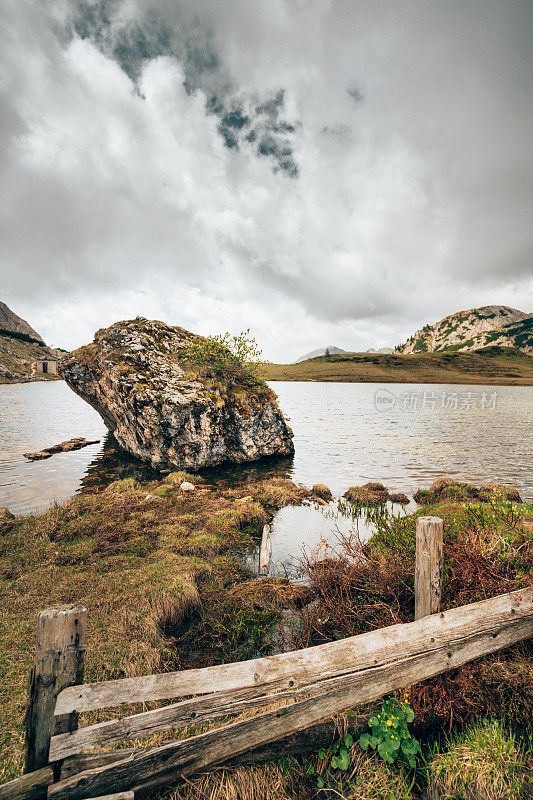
<point>384,400</point>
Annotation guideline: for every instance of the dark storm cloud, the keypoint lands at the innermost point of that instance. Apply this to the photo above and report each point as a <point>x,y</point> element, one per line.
<point>313,170</point>
<point>153,30</point>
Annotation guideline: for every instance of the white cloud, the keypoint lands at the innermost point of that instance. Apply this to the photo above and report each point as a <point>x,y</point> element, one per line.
<point>121,198</point>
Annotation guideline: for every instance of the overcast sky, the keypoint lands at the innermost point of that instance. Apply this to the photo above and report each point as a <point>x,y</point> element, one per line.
<point>321,172</point>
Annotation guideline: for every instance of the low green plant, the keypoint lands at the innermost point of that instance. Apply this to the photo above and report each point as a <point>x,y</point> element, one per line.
<point>497,511</point>
<point>233,358</point>
<point>390,735</point>
<point>340,758</point>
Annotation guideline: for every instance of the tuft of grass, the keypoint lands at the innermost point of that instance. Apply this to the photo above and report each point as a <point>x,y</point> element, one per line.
<point>322,491</point>
<point>483,761</point>
<point>278,492</point>
<point>371,494</point>
<point>271,781</point>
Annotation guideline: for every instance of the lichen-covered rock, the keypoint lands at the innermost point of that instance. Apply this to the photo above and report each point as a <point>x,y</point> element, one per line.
<point>168,409</point>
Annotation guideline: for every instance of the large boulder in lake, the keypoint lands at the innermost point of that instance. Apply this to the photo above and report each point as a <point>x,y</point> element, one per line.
<point>175,399</point>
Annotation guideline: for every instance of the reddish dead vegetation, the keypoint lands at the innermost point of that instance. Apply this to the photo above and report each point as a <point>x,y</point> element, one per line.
<point>500,685</point>
<point>365,587</point>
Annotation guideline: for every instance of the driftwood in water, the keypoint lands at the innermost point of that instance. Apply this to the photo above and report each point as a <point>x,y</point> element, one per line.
<point>63,447</point>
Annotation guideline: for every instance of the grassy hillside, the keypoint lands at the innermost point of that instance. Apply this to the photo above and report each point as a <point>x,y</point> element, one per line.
<point>18,356</point>
<point>496,365</point>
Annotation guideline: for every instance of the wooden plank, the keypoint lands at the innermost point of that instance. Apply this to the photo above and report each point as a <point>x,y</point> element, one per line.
<point>188,712</point>
<point>339,694</point>
<point>31,786</point>
<point>300,666</point>
<point>117,796</point>
<point>265,554</point>
<point>428,566</point>
<point>59,658</point>
<point>300,742</point>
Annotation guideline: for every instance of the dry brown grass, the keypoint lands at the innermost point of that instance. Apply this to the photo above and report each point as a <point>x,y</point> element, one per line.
<point>145,560</point>
<point>368,778</point>
<point>262,782</point>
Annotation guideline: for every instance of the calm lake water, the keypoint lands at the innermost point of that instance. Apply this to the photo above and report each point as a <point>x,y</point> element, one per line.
<point>345,434</point>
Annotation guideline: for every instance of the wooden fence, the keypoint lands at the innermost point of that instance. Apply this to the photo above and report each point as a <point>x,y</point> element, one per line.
<point>291,694</point>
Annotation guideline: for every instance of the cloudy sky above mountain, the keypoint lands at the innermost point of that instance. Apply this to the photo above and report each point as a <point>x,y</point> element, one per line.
<point>321,172</point>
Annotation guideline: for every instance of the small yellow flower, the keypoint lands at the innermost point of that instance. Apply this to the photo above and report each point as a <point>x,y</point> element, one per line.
<point>389,723</point>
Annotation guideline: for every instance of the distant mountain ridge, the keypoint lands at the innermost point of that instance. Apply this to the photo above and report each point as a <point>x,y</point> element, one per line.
<point>473,329</point>
<point>321,351</point>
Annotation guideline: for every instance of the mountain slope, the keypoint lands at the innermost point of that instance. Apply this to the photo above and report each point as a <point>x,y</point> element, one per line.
<point>9,321</point>
<point>321,351</point>
<point>20,347</point>
<point>473,329</point>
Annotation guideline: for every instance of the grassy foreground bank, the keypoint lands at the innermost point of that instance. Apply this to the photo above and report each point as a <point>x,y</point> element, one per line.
<point>491,365</point>
<point>153,563</point>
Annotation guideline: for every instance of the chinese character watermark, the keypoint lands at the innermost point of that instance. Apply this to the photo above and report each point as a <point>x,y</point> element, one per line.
<point>423,400</point>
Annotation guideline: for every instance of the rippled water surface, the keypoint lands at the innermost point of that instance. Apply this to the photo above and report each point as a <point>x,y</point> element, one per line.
<point>345,434</point>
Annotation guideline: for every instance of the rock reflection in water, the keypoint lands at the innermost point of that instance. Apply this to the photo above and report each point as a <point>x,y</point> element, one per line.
<point>114,464</point>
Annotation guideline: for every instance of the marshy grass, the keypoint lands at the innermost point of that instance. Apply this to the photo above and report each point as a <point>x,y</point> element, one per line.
<point>150,562</point>
<point>153,565</point>
<point>360,587</point>
<point>484,761</point>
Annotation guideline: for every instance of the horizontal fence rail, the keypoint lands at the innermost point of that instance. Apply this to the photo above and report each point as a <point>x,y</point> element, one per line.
<point>334,678</point>
<point>302,673</point>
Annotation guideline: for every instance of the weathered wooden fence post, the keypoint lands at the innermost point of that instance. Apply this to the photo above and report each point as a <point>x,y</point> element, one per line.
<point>59,662</point>
<point>428,569</point>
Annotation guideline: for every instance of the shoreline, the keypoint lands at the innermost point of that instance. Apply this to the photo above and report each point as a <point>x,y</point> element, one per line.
<point>39,379</point>
<point>496,382</point>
